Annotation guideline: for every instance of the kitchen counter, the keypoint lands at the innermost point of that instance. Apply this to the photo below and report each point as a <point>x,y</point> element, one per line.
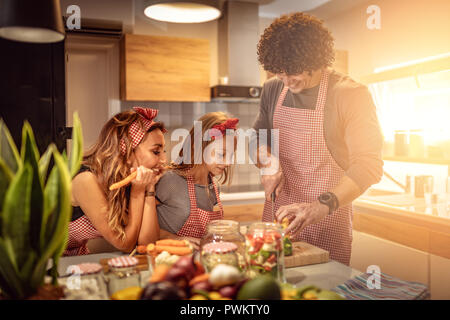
<point>405,220</point>
<point>325,275</point>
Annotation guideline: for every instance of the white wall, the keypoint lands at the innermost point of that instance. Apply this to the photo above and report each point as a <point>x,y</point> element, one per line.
<point>410,29</point>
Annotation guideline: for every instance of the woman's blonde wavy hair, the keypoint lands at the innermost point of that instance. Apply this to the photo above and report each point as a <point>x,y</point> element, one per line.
<point>208,120</point>
<point>106,161</point>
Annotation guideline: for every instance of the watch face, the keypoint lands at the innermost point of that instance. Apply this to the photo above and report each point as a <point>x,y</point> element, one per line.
<point>325,197</point>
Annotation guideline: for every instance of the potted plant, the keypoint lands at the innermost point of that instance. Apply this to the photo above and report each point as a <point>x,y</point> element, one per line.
<point>35,210</point>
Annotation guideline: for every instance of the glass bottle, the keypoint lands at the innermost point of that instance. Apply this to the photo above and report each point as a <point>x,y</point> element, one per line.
<point>264,250</point>
<point>226,231</point>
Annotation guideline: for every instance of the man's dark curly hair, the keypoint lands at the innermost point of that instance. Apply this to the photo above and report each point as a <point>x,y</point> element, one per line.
<point>294,43</point>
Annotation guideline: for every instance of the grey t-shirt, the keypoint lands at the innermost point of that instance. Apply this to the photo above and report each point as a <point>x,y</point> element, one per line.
<point>175,208</point>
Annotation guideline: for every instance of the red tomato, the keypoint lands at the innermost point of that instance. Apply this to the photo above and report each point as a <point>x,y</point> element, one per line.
<point>268,238</point>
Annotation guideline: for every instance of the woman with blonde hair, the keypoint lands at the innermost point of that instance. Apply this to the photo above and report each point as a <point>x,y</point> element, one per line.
<point>187,193</point>
<point>130,141</point>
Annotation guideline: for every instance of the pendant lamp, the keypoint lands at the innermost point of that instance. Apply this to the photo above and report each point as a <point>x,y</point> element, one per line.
<point>31,21</point>
<point>183,11</point>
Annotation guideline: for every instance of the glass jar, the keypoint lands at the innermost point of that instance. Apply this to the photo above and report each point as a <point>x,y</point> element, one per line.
<point>222,252</point>
<point>264,250</point>
<point>123,273</point>
<point>226,231</point>
<point>85,282</point>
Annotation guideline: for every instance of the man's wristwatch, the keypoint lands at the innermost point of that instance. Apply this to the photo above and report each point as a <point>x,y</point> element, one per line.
<point>329,199</point>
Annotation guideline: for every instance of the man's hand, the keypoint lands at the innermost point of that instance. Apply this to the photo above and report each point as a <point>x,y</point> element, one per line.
<point>303,215</point>
<point>271,183</point>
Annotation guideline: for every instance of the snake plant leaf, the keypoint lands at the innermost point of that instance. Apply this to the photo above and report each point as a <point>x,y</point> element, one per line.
<point>50,214</point>
<point>10,283</point>
<point>16,213</point>
<point>8,149</point>
<point>76,153</point>
<point>27,268</point>
<point>30,154</point>
<point>44,162</point>
<point>62,226</point>
<point>6,176</point>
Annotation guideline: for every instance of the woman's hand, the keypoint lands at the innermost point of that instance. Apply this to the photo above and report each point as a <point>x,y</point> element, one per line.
<point>146,178</point>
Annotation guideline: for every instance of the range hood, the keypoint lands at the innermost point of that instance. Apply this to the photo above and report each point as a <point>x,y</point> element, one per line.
<point>238,36</point>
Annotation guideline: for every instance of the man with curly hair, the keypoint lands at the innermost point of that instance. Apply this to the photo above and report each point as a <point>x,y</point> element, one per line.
<point>330,141</point>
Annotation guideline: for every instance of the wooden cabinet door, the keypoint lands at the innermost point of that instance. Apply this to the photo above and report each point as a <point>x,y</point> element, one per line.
<point>155,68</point>
<point>393,259</point>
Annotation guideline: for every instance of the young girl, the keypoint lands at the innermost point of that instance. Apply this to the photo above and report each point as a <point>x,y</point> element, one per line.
<point>126,216</point>
<point>188,193</point>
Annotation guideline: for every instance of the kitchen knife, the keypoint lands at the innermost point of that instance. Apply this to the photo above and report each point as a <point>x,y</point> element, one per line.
<point>272,197</point>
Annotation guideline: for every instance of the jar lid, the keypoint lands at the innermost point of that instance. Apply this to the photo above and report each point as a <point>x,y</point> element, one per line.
<point>86,268</point>
<point>123,262</point>
<point>219,247</point>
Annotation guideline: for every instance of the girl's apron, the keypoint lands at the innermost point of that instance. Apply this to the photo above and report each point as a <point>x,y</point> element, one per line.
<point>195,225</point>
<point>310,170</point>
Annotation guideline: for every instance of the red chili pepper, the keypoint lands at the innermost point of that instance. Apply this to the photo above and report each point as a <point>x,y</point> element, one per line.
<point>271,258</point>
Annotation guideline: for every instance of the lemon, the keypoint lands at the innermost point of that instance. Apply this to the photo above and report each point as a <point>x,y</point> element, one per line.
<point>131,293</point>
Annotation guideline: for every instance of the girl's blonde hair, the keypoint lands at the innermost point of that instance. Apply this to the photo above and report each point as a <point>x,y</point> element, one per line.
<point>208,120</point>
<point>106,161</point>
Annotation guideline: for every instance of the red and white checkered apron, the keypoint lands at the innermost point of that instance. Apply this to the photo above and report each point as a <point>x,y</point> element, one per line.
<point>195,225</point>
<point>310,170</point>
<point>80,231</point>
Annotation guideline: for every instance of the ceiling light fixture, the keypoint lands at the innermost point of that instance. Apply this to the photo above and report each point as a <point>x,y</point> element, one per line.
<point>183,11</point>
<point>31,21</point>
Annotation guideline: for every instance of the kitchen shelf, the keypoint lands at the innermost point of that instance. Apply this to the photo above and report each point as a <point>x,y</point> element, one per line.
<point>417,160</point>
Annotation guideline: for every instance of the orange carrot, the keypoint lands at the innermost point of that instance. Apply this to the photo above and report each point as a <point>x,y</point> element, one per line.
<point>171,242</point>
<point>141,249</point>
<point>199,278</point>
<point>159,273</point>
<point>124,182</point>
<point>179,251</point>
<point>151,249</point>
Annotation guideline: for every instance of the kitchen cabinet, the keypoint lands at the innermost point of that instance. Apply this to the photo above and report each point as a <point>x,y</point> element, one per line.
<point>407,245</point>
<point>392,258</point>
<point>155,68</point>
<point>439,277</point>
<point>32,87</point>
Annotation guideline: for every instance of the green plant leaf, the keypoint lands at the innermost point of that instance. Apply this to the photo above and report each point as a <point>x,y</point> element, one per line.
<point>28,266</point>
<point>50,214</point>
<point>8,149</point>
<point>30,154</point>
<point>9,281</point>
<point>44,162</point>
<point>16,212</point>
<point>76,153</point>
<point>6,177</point>
<point>62,227</point>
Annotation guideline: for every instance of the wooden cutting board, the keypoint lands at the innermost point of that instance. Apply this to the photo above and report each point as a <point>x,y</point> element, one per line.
<point>305,254</point>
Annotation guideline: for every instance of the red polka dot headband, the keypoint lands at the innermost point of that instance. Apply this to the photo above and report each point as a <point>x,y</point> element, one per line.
<point>139,127</point>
